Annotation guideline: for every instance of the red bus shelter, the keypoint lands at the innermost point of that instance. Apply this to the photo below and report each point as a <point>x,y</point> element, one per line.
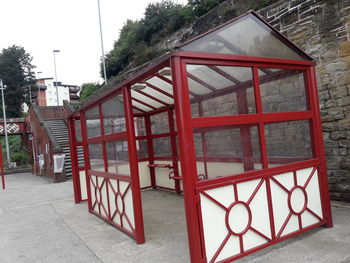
<point>231,120</point>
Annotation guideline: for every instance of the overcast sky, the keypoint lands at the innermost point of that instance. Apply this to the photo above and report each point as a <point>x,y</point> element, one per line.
<point>71,26</point>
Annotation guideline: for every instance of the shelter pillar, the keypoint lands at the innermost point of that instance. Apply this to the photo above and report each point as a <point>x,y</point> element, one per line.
<point>187,156</point>
<point>74,161</point>
<point>134,170</point>
<point>319,147</point>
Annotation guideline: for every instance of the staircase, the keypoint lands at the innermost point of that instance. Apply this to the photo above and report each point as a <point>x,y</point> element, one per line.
<point>60,131</point>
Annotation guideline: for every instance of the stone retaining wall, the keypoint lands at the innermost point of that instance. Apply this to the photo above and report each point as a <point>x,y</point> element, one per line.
<point>322,29</point>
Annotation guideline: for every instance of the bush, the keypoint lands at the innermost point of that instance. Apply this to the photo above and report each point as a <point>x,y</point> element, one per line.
<point>21,158</point>
<point>18,153</point>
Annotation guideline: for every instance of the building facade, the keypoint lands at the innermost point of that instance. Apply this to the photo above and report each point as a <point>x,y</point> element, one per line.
<point>48,93</point>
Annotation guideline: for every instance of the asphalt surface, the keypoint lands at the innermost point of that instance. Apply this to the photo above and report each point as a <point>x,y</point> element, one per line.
<point>39,222</point>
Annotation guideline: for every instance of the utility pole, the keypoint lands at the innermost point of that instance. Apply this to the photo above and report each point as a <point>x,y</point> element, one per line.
<point>38,81</point>
<point>5,125</point>
<point>103,52</point>
<point>54,62</point>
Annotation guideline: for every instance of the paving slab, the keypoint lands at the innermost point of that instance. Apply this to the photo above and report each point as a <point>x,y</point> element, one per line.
<point>39,222</point>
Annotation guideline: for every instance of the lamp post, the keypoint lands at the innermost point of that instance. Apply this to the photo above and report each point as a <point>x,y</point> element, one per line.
<point>54,61</point>
<point>37,77</point>
<point>103,52</point>
<point>5,125</point>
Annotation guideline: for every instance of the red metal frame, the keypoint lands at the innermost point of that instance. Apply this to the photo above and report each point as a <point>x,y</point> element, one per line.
<point>259,118</point>
<point>2,169</point>
<point>193,186</point>
<point>74,161</point>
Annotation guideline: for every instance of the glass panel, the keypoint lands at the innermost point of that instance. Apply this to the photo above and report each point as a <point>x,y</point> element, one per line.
<point>80,152</point>
<point>77,130</point>
<point>158,95</point>
<point>96,157</point>
<point>140,128</point>
<point>160,123</point>
<point>282,90</point>
<point>229,90</point>
<point>118,157</point>
<point>113,115</point>
<point>93,124</point>
<point>162,147</point>
<point>145,99</point>
<point>288,142</point>
<point>140,107</point>
<point>142,151</point>
<point>246,36</point>
<point>161,84</point>
<point>227,151</point>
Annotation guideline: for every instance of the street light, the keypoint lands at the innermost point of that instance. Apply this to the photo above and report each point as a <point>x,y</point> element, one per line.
<point>54,61</point>
<point>37,77</point>
<point>103,52</point>
<point>5,125</point>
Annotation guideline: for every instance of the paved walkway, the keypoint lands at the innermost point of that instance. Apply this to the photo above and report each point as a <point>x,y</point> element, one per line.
<point>39,222</point>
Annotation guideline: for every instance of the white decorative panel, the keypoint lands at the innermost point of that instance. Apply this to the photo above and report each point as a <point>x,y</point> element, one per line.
<point>128,220</point>
<point>214,227</point>
<point>121,205</point>
<point>111,199</point>
<point>92,190</point>
<point>144,174</point>
<point>296,200</point>
<point>162,175</point>
<point>83,189</point>
<point>104,200</point>
<point>236,217</point>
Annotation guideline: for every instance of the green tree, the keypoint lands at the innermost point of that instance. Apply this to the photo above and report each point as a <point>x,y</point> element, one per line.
<point>88,89</point>
<point>16,71</point>
<point>201,7</point>
<point>124,48</point>
<point>161,19</point>
<point>137,39</point>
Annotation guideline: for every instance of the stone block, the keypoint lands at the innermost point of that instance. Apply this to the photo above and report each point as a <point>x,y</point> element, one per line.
<point>327,118</point>
<point>326,135</point>
<point>289,17</point>
<point>324,113</point>
<point>338,92</point>
<point>331,144</point>
<point>344,125</point>
<point>344,101</point>
<point>271,12</point>
<point>345,78</point>
<point>336,68</point>
<point>324,95</point>
<point>344,143</point>
<point>331,103</point>
<point>339,116</point>
<point>329,126</point>
<point>296,2</point>
<point>336,135</point>
<point>305,6</point>
<point>311,12</point>
<point>335,111</point>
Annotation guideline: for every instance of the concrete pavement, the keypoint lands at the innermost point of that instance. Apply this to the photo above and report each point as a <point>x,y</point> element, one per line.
<point>39,222</point>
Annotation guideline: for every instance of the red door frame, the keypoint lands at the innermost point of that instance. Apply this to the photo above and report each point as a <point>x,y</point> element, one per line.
<point>129,135</point>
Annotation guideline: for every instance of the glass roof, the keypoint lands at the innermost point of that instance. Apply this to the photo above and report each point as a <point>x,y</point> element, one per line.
<point>246,36</point>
